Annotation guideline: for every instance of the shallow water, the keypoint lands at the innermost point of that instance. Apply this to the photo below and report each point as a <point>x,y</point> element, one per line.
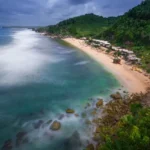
<point>39,79</point>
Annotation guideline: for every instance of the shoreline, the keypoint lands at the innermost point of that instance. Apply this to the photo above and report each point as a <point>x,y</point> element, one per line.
<point>133,81</point>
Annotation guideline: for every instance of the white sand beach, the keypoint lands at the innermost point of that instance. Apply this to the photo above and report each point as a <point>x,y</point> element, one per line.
<point>133,81</point>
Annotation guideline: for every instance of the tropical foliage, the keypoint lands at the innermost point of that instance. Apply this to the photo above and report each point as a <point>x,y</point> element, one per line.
<point>125,124</point>
<point>132,31</point>
<point>86,25</point>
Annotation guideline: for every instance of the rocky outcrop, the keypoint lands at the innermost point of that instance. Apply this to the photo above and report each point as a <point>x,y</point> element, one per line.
<point>38,124</point>
<point>90,147</point>
<point>77,115</point>
<point>20,138</point>
<point>7,145</point>
<point>70,111</point>
<point>49,122</point>
<point>73,143</point>
<point>55,126</point>
<point>99,103</point>
<point>61,117</point>
<point>116,96</point>
<point>96,137</point>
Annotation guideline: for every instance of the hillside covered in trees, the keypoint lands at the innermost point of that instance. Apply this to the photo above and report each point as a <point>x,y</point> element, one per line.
<point>124,125</point>
<point>86,25</point>
<point>131,30</point>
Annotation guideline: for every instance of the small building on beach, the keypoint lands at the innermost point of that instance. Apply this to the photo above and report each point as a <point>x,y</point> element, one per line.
<point>117,61</point>
<point>102,43</point>
<point>115,48</point>
<point>95,45</point>
<point>133,59</point>
<point>126,52</point>
<point>83,38</point>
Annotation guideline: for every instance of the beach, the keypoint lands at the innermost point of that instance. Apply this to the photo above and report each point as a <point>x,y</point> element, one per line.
<point>35,94</point>
<point>133,81</point>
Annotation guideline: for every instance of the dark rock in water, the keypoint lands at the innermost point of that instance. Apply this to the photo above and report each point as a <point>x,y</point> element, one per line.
<point>20,138</point>
<point>77,115</point>
<point>88,104</point>
<point>38,124</point>
<point>46,123</point>
<point>99,103</point>
<point>116,96</point>
<point>55,125</point>
<point>88,122</point>
<point>7,145</point>
<point>73,143</point>
<point>90,147</point>
<point>42,111</point>
<point>91,99</point>
<point>61,117</point>
<point>96,137</point>
<point>49,122</point>
<point>83,115</point>
<point>70,111</point>
<point>94,112</point>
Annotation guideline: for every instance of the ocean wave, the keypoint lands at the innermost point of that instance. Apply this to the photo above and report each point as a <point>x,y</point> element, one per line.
<point>82,63</point>
<point>20,61</point>
<point>67,52</point>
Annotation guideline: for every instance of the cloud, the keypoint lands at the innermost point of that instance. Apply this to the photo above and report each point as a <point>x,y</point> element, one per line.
<point>77,2</point>
<point>45,12</point>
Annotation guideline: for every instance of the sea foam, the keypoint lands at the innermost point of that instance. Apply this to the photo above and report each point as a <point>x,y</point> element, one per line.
<point>21,60</point>
<point>81,63</point>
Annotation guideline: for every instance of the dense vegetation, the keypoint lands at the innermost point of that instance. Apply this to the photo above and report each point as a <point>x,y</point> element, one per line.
<point>132,30</point>
<point>86,25</point>
<point>125,124</point>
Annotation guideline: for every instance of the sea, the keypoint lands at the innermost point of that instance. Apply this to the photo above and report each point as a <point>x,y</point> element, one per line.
<point>40,78</point>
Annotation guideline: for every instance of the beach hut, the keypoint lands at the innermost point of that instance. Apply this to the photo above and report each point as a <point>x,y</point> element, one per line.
<point>95,45</point>
<point>102,43</point>
<point>83,38</point>
<point>125,53</point>
<point>117,60</point>
<point>115,48</point>
<point>133,59</point>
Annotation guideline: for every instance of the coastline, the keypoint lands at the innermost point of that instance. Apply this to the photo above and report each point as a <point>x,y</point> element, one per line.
<point>133,81</point>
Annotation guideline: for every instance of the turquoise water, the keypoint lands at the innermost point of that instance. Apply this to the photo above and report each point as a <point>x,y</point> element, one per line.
<point>39,79</point>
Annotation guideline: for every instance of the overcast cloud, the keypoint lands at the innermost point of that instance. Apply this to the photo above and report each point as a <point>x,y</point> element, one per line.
<point>45,12</point>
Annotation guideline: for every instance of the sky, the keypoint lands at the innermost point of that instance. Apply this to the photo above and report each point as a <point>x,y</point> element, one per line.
<point>47,12</point>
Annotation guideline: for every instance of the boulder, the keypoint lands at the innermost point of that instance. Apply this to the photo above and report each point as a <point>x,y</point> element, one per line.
<point>49,122</point>
<point>7,145</point>
<point>83,115</point>
<point>38,124</point>
<point>70,111</point>
<point>73,143</point>
<point>96,121</point>
<point>90,147</point>
<point>99,103</point>
<point>88,122</point>
<point>96,137</point>
<point>61,117</point>
<point>20,138</point>
<point>94,112</point>
<point>98,130</point>
<point>77,115</point>
<point>116,96</point>
<point>55,126</point>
